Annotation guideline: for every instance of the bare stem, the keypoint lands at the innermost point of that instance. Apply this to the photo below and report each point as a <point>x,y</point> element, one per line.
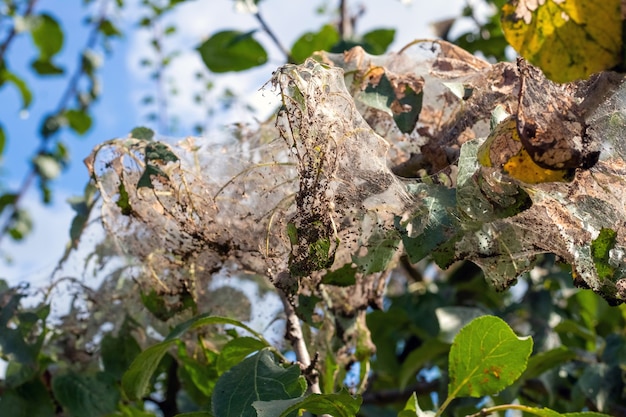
<point>293,333</point>
<point>273,36</point>
<point>345,21</point>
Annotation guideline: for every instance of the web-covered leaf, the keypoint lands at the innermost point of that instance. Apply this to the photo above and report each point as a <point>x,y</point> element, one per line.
<point>187,210</point>
<point>341,185</point>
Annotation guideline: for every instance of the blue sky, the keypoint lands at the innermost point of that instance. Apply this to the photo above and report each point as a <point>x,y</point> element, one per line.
<point>125,83</point>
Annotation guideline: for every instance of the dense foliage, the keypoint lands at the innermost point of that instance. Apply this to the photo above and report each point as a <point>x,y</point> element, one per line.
<point>377,213</point>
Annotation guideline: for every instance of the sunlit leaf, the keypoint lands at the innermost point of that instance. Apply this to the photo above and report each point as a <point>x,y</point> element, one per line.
<point>600,252</point>
<point>486,357</point>
<point>341,404</point>
<point>431,229</point>
<point>236,350</point>
<point>412,409</point>
<point>380,252</point>
<point>78,120</point>
<point>20,84</point>
<point>136,380</point>
<point>310,42</point>
<point>568,40</point>
<point>141,132</point>
<point>377,41</point>
<point>47,36</point>
<point>109,29</point>
<point>198,373</point>
<point>46,67</point>
<point>48,167</point>
<point>232,50</point>
<point>256,378</point>
<point>21,224</point>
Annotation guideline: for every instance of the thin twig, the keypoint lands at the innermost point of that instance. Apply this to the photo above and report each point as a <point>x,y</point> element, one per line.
<point>345,21</point>
<point>11,35</point>
<point>293,333</point>
<point>273,36</point>
<point>67,95</point>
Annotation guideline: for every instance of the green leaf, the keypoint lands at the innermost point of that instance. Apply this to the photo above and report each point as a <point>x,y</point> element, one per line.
<point>197,375</point>
<point>380,252</point>
<point>600,248</point>
<point>21,224</point>
<point>136,380</point>
<point>486,357</point>
<point>20,84</point>
<point>46,67</point>
<point>257,378</point>
<point>543,361</point>
<point>154,302</point>
<point>412,409</point>
<point>158,151</point>
<point>409,105</point>
<point>401,99</point>
<point>600,383</point>
<point>28,400</point>
<point>47,36</point>
<point>79,121</point>
<point>342,277</point>
<point>47,166</point>
<point>306,309</point>
<point>434,228</point>
<point>419,357</point>
<point>6,200</point>
<point>236,350</point>
<point>377,41</point>
<point>124,204</point>
<point>118,353</point>
<point>86,395</point>
<point>567,40</point>
<point>314,41</point>
<point>51,124</point>
<point>141,132</point>
<point>232,50</point>
<point>452,319</point>
<point>341,404</point>
<point>145,181</point>
<point>108,29</point>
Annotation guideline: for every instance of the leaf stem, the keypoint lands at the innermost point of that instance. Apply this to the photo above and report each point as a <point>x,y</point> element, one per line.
<point>524,408</point>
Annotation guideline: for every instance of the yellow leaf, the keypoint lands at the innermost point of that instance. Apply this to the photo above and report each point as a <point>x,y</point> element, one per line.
<point>567,39</point>
<point>503,149</point>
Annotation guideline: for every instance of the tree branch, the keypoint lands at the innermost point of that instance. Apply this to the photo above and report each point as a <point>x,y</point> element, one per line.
<point>293,333</point>
<point>273,36</point>
<point>11,35</point>
<point>68,94</point>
